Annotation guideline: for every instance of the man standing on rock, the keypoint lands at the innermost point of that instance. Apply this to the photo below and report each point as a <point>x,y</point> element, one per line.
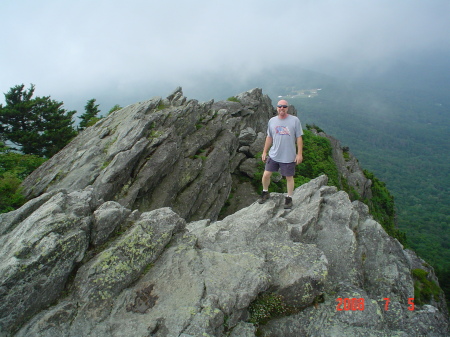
<point>284,132</point>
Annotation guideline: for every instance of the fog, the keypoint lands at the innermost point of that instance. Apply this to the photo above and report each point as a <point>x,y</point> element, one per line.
<point>122,52</point>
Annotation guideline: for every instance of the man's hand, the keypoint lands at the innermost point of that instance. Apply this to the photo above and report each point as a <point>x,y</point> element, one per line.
<point>299,158</point>
<point>264,156</point>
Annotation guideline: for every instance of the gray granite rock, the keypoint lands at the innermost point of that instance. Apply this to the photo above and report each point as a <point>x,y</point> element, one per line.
<point>121,238</point>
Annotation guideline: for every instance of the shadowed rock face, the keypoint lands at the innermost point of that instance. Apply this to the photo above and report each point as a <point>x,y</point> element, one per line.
<point>122,240</point>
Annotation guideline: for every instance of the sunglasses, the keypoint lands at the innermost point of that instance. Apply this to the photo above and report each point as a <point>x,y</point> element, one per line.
<point>282,106</point>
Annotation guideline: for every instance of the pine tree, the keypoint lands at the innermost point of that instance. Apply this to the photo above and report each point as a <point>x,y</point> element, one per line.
<point>39,126</point>
<point>91,114</point>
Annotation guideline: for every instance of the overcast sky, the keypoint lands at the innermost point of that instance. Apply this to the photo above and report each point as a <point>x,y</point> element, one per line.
<point>127,51</point>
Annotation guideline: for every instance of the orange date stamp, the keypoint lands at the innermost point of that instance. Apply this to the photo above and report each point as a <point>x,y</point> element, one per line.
<point>357,304</point>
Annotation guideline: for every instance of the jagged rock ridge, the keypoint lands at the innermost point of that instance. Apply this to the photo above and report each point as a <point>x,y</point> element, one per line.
<point>98,252</point>
<point>163,152</point>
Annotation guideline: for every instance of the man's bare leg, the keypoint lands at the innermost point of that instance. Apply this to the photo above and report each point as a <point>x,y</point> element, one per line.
<point>290,186</point>
<point>266,180</point>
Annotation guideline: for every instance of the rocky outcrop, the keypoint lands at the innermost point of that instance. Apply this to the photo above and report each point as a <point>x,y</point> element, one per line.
<point>124,240</point>
<point>161,276</point>
<point>163,152</point>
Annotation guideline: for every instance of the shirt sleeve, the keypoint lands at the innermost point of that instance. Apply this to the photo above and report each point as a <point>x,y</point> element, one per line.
<point>269,130</point>
<point>298,128</point>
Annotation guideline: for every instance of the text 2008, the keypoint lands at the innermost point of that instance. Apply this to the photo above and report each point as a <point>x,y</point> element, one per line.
<point>355,304</point>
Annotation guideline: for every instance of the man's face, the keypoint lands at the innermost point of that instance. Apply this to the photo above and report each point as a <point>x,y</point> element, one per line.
<point>282,108</point>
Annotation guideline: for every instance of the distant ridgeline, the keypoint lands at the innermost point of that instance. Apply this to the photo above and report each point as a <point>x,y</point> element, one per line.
<point>146,224</point>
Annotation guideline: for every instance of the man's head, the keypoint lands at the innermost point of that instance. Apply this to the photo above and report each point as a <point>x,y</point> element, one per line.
<point>282,108</point>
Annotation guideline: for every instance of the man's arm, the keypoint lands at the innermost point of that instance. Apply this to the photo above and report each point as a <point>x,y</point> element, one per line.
<point>299,157</point>
<point>267,146</point>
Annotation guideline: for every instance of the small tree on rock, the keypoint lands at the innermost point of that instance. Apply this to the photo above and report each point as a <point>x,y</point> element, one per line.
<point>90,117</point>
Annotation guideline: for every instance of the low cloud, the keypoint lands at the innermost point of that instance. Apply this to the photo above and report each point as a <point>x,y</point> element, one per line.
<point>122,52</point>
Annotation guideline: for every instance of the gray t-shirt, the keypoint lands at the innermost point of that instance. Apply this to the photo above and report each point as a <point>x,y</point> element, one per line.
<point>284,133</point>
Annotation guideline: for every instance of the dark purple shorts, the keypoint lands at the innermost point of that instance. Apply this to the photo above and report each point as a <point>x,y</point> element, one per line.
<point>286,169</point>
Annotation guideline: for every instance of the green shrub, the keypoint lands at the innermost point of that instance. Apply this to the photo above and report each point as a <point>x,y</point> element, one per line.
<point>317,159</point>
<point>19,164</point>
<point>161,106</point>
<point>114,108</point>
<point>424,289</point>
<point>14,167</point>
<point>10,196</point>
<point>267,306</point>
<point>233,99</point>
<point>382,208</point>
<point>315,127</point>
<point>346,155</point>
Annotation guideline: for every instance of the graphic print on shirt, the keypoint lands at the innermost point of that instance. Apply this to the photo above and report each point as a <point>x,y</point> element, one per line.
<point>282,130</point>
